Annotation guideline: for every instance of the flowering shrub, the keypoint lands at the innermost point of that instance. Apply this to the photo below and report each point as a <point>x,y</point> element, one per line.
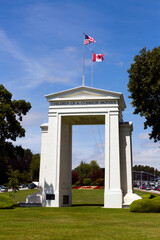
<point>74,176</point>
<point>100,182</point>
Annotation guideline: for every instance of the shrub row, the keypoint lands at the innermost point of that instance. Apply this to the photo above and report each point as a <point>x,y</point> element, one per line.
<point>149,204</point>
<point>88,182</point>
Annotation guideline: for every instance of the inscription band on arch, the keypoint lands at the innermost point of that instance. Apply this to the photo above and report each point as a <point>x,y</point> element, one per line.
<point>58,103</point>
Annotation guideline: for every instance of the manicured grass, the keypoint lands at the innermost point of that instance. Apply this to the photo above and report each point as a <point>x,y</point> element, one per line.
<point>79,197</point>
<point>141,193</point>
<point>88,197</point>
<point>20,196</point>
<point>78,222</point>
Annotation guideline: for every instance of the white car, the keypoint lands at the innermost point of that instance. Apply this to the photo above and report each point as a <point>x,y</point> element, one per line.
<point>4,189</point>
<point>22,186</point>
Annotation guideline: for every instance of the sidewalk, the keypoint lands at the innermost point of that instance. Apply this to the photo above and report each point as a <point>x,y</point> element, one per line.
<point>148,191</point>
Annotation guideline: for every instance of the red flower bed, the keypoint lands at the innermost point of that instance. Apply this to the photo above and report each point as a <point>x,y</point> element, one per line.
<point>78,187</point>
<point>98,187</point>
<point>87,187</point>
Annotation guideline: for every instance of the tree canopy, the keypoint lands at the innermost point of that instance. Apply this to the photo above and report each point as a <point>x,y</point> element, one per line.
<point>146,168</point>
<point>87,171</point>
<point>144,86</point>
<point>34,167</point>
<point>11,112</point>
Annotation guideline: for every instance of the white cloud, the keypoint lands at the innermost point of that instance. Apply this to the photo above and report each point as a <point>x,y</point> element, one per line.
<point>120,63</point>
<point>62,65</point>
<point>88,156</point>
<point>34,118</point>
<point>144,136</point>
<point>88,144</point>
<point>147,154</point>
<point>88,152</point>
<point>31,141</point>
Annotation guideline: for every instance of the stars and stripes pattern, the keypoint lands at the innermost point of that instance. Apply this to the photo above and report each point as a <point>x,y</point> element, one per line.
<point>88,40</point>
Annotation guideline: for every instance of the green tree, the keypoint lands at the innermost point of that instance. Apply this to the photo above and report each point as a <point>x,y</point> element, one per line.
<point>144,86</point>
<point>83,171</point>
<point>74,176</point>
<point>11,112</point>
<point>35,165</point>
<point>146,168</point>
<point>20,159</point>
<point>94,166</point>
<point>14,183</point>
<point>88,171</point>
<point>25,177</point>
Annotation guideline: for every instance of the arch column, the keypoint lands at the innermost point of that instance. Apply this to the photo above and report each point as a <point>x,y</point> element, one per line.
<point>113,192</point>
<point>126,129</point>
<point>50,195</point>
<point>65,165</point>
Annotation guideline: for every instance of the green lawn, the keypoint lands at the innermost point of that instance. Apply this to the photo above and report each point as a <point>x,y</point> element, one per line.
<point>85,220</point>
<point>20,196</point>
<point>141,193</point>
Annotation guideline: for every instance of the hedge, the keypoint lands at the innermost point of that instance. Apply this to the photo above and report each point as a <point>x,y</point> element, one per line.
<point>5,202</point>
<point>149,196</point>
<point>100,182</point>
<point>87,182</point>
<point>146,205</point>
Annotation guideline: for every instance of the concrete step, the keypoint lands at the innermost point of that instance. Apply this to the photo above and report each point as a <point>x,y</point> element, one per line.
<point>125,205</point>
<point>24,204</point>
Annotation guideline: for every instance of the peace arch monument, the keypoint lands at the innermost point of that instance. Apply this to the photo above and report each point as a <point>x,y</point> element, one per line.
<point>82,106</point>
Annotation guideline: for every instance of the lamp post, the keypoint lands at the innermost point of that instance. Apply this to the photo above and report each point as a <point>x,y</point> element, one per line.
<point>154,175</point>
<point>141,179</point>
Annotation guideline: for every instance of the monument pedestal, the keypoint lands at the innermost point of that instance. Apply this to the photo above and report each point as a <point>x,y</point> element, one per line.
<point>130,197</point>
<point>113,199</point>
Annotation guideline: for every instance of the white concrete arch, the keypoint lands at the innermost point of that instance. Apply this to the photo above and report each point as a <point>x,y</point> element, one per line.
<point>82,106</point>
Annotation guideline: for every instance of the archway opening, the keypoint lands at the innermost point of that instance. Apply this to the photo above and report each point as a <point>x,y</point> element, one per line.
<point>88,153</point>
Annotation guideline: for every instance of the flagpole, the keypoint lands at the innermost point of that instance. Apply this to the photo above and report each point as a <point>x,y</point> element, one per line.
<point>83,59</point>
<point>92,72</point>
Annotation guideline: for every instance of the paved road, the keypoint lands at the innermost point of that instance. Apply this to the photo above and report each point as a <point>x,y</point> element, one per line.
<point>148,191</point>
<point>10,190</point>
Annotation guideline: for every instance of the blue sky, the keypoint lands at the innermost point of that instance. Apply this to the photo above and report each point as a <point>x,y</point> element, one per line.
<point>41,46</point>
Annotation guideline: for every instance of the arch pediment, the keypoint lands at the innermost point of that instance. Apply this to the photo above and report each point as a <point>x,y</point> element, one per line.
<point>86,93</point>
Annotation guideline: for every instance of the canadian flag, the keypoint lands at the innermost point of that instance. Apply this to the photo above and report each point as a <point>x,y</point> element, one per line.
<point>98,57</point>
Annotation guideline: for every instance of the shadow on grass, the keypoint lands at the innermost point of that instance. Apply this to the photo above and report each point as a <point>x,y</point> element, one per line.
<point>87,205</point>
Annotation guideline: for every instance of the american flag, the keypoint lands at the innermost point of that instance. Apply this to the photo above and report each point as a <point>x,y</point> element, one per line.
<point>88,40</point>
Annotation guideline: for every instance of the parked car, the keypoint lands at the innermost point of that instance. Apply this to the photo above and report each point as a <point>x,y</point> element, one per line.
<point>148,187</point>
<point>153,187</point>
<point>142,187</point>
<point>135,184</point>
<point>4,189</point>
<point>32,186</point>
<point>158,189</point>
<point>22,186</point>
